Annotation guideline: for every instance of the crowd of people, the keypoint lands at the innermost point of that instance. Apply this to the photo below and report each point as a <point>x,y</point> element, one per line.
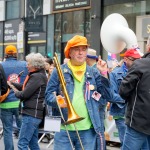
<point>27,86</point>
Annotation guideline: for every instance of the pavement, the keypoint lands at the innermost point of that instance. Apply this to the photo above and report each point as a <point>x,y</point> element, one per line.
<point>43,146</point>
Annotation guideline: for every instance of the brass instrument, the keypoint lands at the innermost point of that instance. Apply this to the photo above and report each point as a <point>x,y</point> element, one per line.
<point>72,116</point>
<point>116,35</point>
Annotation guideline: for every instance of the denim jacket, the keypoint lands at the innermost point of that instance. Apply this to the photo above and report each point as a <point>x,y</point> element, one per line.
<point>116,77</point>
<point>92,76</point>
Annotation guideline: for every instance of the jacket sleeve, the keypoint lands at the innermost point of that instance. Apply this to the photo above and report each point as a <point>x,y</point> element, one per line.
<point>115,88</point>
<point>18,86</point>
<point>32,85</point>
<point>129,83</point>
<point>103,85</point>
<point>3,81</point>
<point>52,88</point>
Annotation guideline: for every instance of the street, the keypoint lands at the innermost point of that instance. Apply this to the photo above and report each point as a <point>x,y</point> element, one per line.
<point>43,146</point>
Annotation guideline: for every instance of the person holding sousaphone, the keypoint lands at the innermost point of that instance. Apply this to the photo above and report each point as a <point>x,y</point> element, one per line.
<point>83,88</point>
<point>116,76</point>
<point>135,90</point>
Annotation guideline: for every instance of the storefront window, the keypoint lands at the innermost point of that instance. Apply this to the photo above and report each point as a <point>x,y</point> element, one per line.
<point>130,11</point>
<point>1,41</point>
<point>12,9</point>
<point>57,37</point>
<point>69,24</point>
<point>1,53</point>
<point>88,25</point>
<point>73,23</point>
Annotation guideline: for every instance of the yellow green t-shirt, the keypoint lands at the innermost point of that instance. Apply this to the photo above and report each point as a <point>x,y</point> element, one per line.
<point>79,105</point>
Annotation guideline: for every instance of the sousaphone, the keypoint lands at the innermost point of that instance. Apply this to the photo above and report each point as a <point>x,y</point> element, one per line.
<point>116,35</point>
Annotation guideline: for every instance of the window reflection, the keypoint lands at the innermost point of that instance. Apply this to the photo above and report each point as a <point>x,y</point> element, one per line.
<point>130,11</point>
<point>78,22</point>
<point>68,24</point>
<point>57,37</point>
<point>12,9</point>
<point>88,25</point>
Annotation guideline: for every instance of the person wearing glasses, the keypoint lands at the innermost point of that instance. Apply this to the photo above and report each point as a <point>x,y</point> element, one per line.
<point>135,90</point>
<point>117,110</point>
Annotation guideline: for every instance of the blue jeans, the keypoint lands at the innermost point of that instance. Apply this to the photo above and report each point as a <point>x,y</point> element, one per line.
<point>135,140</point>
<point>7,121</point>
<point>29,133</point>
<point>88,138</point>
<point>120,124</point>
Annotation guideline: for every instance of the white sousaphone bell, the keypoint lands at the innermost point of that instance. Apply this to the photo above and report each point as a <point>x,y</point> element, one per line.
<point>116,35</point>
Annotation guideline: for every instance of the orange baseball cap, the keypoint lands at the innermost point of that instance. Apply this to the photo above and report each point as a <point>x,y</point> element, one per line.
<point>77,40</point>
<point>10,50</point>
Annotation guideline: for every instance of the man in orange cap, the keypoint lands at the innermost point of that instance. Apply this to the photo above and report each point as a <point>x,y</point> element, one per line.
<point>86,87</point>
<point>135,90</point>
<point>9,107</point>
<point>117,110</point>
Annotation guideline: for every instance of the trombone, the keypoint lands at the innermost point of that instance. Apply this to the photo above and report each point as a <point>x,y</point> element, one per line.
<point>72,115</point>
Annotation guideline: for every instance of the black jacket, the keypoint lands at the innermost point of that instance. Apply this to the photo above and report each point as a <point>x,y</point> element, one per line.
<point>135,89</point>
<point>3,81</point>
<point>33,95</point>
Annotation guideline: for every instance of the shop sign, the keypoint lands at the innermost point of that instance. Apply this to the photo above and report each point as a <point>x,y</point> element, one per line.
<point>36,36</point>
<point>34,16</point>
<point>20,40</point>
<point>63,5</point>
<point>145,27</point>
<point>10,31</point>
<point>1,32</point>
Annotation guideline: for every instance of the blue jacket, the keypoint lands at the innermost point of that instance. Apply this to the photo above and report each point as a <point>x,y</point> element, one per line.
<point>116,77</point>
<point>12,68</point>
<point>100,83</point>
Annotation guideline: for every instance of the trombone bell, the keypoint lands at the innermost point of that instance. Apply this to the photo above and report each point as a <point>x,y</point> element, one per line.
<point>72,118</point>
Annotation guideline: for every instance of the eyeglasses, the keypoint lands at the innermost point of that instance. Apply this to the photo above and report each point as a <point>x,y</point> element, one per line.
<point>132,59</point>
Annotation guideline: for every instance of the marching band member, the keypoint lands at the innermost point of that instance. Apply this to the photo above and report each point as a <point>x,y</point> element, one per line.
<point>116,76</point>
<point>86,87</point>
<point>135,90</point>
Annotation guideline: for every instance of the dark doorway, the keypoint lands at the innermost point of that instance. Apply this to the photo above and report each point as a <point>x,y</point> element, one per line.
<point>63,45</point>
<point>37,48</point>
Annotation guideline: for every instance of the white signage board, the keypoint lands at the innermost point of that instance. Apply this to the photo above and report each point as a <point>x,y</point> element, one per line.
<point>2,10</point>
<point>20,40</point>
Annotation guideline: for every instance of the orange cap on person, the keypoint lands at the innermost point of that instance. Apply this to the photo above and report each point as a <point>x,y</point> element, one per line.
<point>77,40</point>
<point>10,50</point>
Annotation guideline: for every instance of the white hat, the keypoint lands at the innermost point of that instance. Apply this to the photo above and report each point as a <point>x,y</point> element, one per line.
<point>91,53</point>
